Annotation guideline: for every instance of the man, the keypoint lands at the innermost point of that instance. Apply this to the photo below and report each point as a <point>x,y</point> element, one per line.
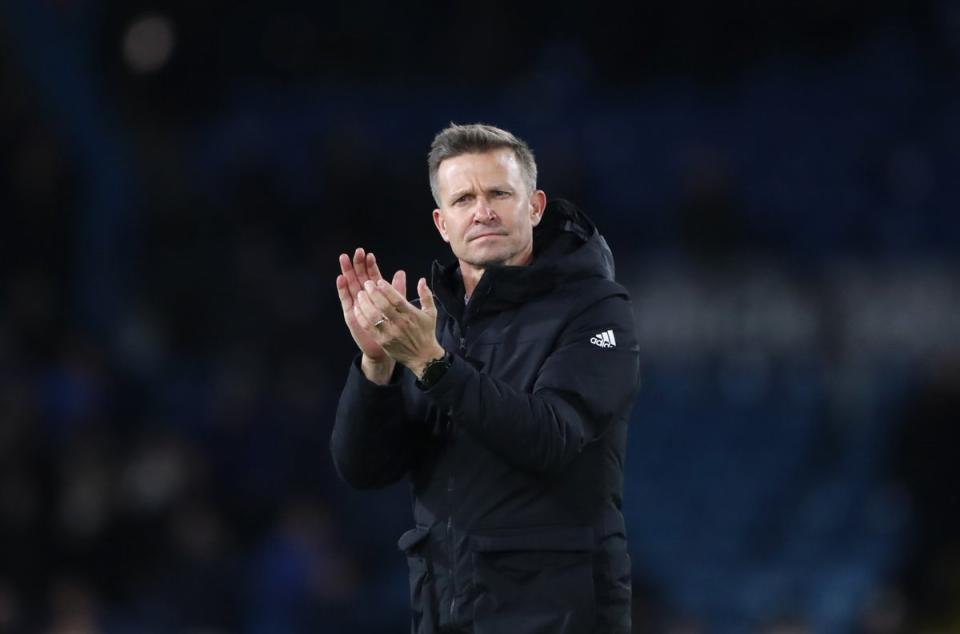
<point>504,396</point>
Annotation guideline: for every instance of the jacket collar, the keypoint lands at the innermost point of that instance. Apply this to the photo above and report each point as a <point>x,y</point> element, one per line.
<point>566,246</point>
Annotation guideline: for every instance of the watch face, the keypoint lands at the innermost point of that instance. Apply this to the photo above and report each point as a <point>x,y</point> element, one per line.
<point>434,370</point>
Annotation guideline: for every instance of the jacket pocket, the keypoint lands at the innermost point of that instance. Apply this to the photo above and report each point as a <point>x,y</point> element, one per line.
<point>413,545</point>
<point>538,579</point>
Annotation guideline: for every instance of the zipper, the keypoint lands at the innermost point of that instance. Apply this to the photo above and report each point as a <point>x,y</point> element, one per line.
<point>462,346</point>
<point>453,561</point>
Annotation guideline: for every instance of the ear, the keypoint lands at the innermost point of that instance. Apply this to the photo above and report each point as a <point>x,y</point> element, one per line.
<point>441,224</point>
<point>538,202</point>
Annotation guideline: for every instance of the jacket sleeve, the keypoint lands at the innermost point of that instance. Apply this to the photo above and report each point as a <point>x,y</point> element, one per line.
<point>373,442</point>
<point>580,390</point>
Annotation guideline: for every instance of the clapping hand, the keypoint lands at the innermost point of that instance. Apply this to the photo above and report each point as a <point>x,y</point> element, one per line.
<point>354,274</point>
<point>386,327</point>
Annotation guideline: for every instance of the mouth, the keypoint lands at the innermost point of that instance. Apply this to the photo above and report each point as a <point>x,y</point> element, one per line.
<point>485,235</point>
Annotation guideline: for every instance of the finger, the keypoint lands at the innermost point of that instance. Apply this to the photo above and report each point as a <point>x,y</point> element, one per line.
<point>372,269</point>
<point>375,294</point>
<point>426,296</point>
<point>362,320</point>
<point>370,311</point>
<point>349,274</point>
<point>360,264</point>
<point>400,282</point>
<point>397,300</point>
<point>343,290</point>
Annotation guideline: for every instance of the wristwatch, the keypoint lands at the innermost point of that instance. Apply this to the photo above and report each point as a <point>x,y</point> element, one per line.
<point>434,370</point>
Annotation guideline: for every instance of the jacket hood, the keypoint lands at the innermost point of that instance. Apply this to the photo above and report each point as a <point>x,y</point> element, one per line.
<point>566,246</point>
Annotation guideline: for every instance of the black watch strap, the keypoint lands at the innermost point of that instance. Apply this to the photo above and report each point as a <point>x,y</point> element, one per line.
<point>434,370</point>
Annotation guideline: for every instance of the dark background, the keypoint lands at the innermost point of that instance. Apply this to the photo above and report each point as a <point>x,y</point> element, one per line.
<point>778,182</point>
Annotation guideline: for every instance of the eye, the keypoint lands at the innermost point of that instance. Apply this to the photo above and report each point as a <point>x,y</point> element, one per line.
<point>462,199</point>
<point>501,193</point>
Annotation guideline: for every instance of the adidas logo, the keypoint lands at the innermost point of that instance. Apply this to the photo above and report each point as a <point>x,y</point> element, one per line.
<point>604,339</point>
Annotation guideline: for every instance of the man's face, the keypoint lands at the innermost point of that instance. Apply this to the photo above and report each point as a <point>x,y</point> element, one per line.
<point>486,213</point>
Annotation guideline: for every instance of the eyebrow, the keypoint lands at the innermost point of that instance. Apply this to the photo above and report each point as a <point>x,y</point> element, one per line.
<point>502,187</point>
<point>457,194</point>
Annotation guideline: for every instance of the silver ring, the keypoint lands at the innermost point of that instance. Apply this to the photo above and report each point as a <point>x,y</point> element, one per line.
<point>379,324</point>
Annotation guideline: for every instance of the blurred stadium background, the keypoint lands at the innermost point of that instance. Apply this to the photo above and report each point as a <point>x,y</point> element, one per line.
<point>778,182</point>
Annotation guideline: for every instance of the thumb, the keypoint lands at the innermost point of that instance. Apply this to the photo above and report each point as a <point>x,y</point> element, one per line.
<point>426,297</point>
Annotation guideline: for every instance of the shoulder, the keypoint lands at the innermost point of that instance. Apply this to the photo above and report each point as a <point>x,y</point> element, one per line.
<point>598,305</point>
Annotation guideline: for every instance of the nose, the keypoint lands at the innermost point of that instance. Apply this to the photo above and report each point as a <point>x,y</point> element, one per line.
<point>484,212</point>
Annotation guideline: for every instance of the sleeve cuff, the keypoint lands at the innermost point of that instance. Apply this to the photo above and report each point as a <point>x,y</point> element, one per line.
<point>362,383</point>
<point>447,390</point>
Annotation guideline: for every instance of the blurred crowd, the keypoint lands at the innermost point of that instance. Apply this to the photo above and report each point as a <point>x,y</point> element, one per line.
<point>176,184</point>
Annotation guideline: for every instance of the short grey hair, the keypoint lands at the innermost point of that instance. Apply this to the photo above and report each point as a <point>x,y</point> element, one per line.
<point>476,138</point>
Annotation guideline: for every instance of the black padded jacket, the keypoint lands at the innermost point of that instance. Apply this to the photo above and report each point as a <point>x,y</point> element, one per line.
<point>516,454</point>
